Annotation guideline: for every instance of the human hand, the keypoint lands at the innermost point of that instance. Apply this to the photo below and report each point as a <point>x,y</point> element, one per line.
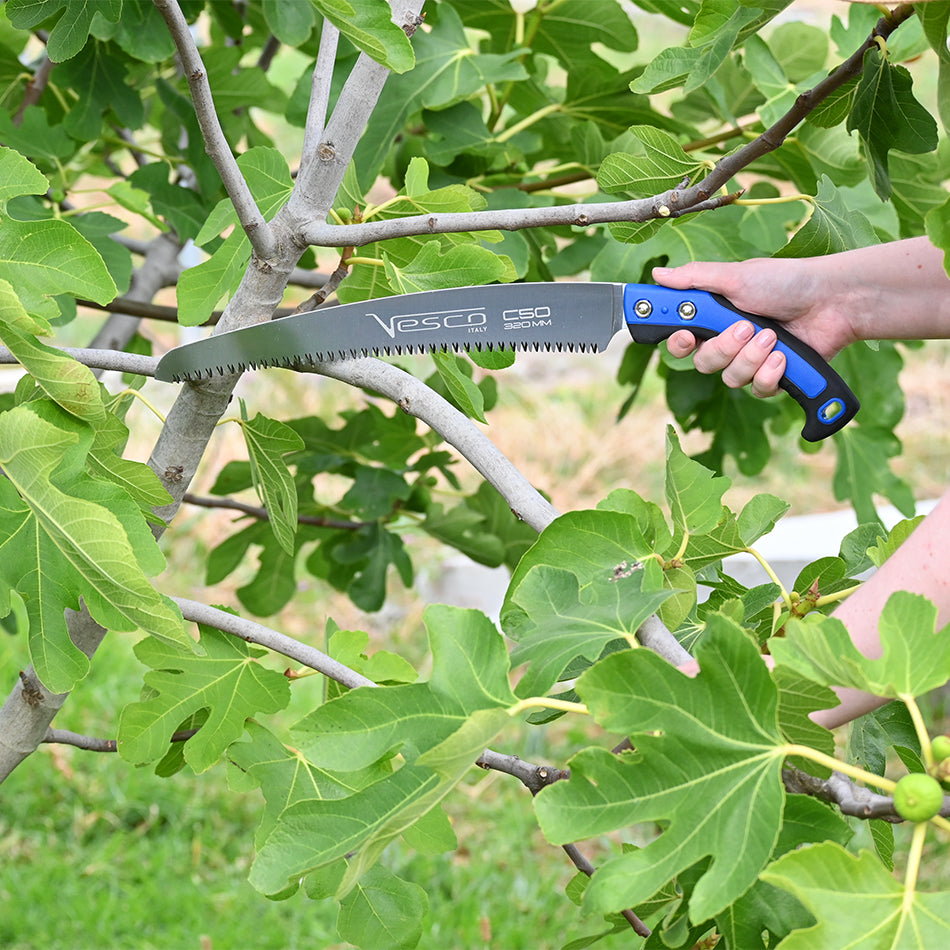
<point>798,293</point>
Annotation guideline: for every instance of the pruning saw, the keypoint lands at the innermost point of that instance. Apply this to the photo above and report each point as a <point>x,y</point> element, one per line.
<point>533,317</point>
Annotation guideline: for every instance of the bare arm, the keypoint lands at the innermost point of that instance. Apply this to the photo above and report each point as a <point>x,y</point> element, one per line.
<point>919,565</point>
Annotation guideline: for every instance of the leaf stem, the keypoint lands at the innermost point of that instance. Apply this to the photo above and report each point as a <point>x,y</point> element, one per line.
<point>547,702</point>
<point>786,597</point>
<point>527,122</point>
<point>913,869</point>
<point>779,200</point>
<point>829,761</point>
<point>134,392</point>
<point>835,597</point>
<point>920,727</point>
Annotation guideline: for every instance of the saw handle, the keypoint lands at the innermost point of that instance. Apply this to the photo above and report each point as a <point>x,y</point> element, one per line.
<point>653,313</point>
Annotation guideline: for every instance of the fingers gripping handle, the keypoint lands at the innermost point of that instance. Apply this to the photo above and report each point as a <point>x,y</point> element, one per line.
<point>653,313</point>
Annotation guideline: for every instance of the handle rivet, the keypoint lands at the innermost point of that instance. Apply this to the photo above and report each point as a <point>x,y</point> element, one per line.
<point>686,310</point>
<point>643,308</point>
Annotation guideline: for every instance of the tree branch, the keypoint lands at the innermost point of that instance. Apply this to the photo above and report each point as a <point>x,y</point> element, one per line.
<point>851,799</point>
<point>323,234</point>
<point>259,232</point>
<point>100,359</point>
<point>319,92</point>
<point>654,635</point>
<point>413,396</point>
<point>262,514</point>
<point>253,632</point>
<point>534,778</point>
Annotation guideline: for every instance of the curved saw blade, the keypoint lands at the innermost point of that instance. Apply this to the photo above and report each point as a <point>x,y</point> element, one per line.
<point>535,316</point>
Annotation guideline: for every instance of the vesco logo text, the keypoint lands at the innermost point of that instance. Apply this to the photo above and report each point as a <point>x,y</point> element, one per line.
<point>471,320</point>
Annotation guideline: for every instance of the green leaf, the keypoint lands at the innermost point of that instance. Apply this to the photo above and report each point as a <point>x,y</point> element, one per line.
<point>268,441</point>
<point>72,28</point>
<point>857,903</point>
<point>469,683</point>
<point>713,739</point>
<point>368,25</point>
<point>19,176</point>
<point>284,776</point>
<point>563,624</point>
<point>100,70</point>
<point>937,223</point>
<point>291,23</point>
<point>660,163</point>
<point>66,536</point>
<point>887,116</point>
<point>831,228</point>
<point>462,388</point>
<point>915,655</point>
<point>693,492</point>
<point>68,383</point>
<point>44,258</point>
<point>227,681</point>
<point>863,471</point>
<point>470,668</point>
<point>383,910</point>
<point>587,544</point>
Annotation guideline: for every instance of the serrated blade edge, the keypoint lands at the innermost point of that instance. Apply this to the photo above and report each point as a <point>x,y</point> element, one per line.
<point>539,317</point>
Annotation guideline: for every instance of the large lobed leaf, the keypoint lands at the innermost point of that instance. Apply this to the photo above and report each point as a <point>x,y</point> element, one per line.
<point>226,680</point>
<point>858,903</point>
<point>713,739</point>
<point>65,536</point>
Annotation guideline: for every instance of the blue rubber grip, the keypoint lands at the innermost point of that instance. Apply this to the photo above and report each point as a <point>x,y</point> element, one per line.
<point>653,313</point>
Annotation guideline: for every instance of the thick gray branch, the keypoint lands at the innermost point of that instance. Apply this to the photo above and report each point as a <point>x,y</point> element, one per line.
<point>322,234</point>
<point>254,632</point>
<point>100,359</point>
<point>414,397</point>
<point>257,229</point>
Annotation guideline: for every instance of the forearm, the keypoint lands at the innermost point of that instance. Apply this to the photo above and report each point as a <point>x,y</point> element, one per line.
<point>888,291</point>
<point>920,566</point>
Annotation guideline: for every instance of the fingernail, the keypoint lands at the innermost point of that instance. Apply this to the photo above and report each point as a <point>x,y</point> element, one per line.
<point>766,339</point>
<point>662,271</point>
<point>743,331</point>
<point>775,358</point>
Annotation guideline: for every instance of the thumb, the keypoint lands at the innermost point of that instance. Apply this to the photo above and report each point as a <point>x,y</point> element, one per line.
<point>705,276</point>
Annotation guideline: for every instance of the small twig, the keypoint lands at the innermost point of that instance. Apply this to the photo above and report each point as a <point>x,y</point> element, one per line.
<point>100,359</point>
<point>95,744</point>
<point>259,232</point>
<point>253,632</point>
<point>268,52</point>
<point>331,284</point>
<point>534,778</point>
<point>261,514</point>
<point>34,88</point>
